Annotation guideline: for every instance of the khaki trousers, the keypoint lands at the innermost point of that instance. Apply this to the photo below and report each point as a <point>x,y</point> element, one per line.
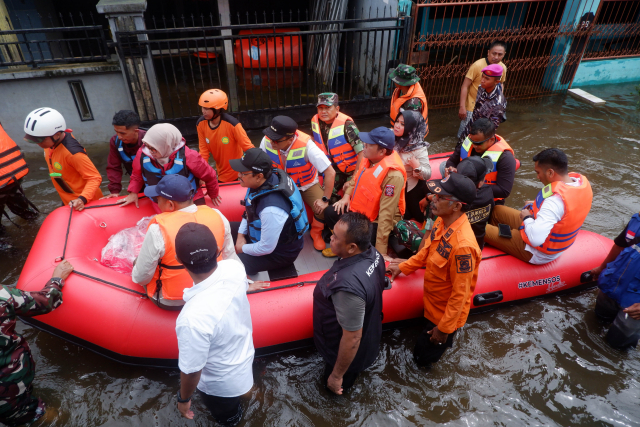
<point>312,194</point>
<point>515,245</point>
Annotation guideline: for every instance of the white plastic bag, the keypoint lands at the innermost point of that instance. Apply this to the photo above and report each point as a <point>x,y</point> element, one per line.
<point>124,247</point>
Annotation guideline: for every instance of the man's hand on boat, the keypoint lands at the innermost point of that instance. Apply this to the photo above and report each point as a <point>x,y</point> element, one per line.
<point>110,196</point>
<point>216,200</point>
<point>63,270</point>
<point>394,270</point>
<point>633,311</point>
<point>77,204</point>
<point>131,198</point>
<point>437,336</point>
<point>257,285</point>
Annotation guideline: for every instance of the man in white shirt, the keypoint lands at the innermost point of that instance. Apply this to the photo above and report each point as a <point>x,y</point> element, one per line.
<point>175,199</point>
<point>547,226</point>
<point>214,328</point>
<point>296,153</point>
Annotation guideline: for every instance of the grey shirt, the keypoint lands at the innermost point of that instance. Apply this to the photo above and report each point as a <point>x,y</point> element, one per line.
<point>349,310</point>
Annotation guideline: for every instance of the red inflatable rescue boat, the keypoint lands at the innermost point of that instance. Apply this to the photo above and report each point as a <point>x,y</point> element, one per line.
<point>106,312</point>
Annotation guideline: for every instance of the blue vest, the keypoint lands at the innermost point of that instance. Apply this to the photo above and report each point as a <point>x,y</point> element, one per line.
<point>127,160</point>
<point>153,174</point>
<point>621,279</point>
<point>279,190</point>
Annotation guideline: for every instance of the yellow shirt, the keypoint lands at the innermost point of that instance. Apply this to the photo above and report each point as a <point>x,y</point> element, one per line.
<point>475,74</point>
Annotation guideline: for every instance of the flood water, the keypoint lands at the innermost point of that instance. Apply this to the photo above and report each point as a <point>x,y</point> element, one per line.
<point>543,362</point>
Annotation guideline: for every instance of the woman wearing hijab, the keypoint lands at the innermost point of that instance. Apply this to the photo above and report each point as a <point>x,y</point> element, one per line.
<point>164,152</point>
<point>410,129</point>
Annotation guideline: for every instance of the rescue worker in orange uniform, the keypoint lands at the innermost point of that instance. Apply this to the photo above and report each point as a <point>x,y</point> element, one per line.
<point>337,136</point>
<point>156,268</point>
<point>452,258</point>
<point>408,94</point>
<point>297,154</point>
<point>12,170</point>
<point>73,174</point>
<point>482,141</point>
<point>220,134</point>
<point>377,189</point>
<point>548,225</point>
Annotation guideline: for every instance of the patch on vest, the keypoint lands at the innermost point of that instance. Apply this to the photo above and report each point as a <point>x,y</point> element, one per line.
<point>377,171</point>
<point>448,234</point>
<point>389,190</point>
<point>630,235</point>
<point>57,166</point>
<point>464,263</point>
<point>225,140</point>
<point>444,249</point>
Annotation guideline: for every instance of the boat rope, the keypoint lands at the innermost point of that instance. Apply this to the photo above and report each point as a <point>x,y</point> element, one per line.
<point>494,256</point>
<point>141,294</point>
<point>291,285</point>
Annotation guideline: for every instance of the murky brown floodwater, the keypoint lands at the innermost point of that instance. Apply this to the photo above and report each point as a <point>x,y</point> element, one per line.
<point>543,362</point>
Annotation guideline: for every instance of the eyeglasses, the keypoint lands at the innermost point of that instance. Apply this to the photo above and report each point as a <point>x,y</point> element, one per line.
<point>244,173</point>
<point>437,196</point>
<point>479,142</point>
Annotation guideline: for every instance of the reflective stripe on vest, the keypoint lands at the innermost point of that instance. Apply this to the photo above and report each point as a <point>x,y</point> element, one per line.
<point>153,174</point>
<point>577,203</point>
<point>12,163</point>
<point>368,185</point>
<point>300,170</point>
<point>397,100</point>
<point>172,276</point>
<point>340,151</point>
<point>494,153</point>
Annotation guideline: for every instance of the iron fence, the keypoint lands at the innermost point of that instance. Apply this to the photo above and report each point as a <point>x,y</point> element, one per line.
<point>52,39</point>
<point>616,31</point>
<point>268,62</point>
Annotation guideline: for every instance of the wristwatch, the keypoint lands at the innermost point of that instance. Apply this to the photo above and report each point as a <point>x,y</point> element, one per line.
<point>527,217</point>
<point>181,400</point>
<point>58,281</point>
<point>324,199</point>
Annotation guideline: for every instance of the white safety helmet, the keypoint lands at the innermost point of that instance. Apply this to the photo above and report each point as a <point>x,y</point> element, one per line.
<point>44,122</point>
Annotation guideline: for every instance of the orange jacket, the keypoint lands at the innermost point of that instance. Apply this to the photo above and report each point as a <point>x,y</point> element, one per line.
<point>72,172</point>
<point>452,259</point>
<point>494,152</point>
<point>397,100</point>
<point>339,149</point>
<point>300,170</point>
<point>172,277</point>
<point>12,163</point>
<point>368,185</point>
<point>577,203</point>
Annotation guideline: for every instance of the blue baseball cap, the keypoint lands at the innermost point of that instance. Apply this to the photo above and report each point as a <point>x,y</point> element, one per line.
<point>172,187</point>
<point>382,136</point>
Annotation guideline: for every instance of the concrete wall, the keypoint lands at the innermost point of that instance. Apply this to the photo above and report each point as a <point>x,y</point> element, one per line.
<point>24,91</point>
<point>607,71</point>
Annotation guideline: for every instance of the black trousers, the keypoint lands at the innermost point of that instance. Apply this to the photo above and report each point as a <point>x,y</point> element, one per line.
<point>331,217</point>
<point>624,331</point>
<point>279,258</point>
<point>425,352</point>
<point>413,198</point>
<point>226,410</point>
<point>13,197</point>
<point>347,380</point>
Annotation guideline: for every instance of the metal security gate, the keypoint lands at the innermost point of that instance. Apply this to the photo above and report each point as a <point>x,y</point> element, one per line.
<point>267,66</point>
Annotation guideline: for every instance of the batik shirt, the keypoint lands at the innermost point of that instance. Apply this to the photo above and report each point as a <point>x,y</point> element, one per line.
<point>492,106</point>
<point>17,367</point>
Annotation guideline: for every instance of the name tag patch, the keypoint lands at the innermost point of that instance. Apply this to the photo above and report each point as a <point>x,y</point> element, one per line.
<point>377,171</point>
<point>389,190</point>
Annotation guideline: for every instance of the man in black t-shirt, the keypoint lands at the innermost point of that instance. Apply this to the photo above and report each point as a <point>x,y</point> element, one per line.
<point>475,168</point>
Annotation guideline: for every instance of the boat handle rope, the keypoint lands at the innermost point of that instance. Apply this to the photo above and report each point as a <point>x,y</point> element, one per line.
<point>141,294</point>
<point>291,285</point>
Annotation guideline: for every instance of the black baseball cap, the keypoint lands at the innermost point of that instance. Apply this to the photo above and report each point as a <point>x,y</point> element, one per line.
<point>281,126</point>
<point>456,185</point>
<point>195,244</point>
<point>475,168</point>
<point>254,160</point>
<point>172,187</point>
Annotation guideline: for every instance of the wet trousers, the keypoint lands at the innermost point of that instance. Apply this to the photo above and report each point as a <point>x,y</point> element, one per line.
<point>624,332</point>
<point>226,410</point>
<point>425,352</point>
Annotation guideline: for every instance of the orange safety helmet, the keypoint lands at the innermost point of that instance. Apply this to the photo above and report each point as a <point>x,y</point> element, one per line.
<point>214,98</point>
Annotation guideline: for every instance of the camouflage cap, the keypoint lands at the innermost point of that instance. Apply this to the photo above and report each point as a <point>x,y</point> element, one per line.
<point>404,75</point>
<point>328,99</point>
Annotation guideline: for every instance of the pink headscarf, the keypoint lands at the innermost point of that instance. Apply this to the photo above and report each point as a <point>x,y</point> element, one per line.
<point>165,138</point>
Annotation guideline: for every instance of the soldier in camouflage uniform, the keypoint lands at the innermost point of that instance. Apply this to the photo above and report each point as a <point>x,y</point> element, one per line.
<point>17,367</point>
<point>328,110</point>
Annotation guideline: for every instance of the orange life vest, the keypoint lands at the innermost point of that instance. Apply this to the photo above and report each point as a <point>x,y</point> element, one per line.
<point>368,185</point>
<point>171,276</point>
<point>397,100</point>
<point>340,151</point>
<point>12,163</point>
<point>300,170</point>
<point>577,203</point>
<point>494,152</point>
